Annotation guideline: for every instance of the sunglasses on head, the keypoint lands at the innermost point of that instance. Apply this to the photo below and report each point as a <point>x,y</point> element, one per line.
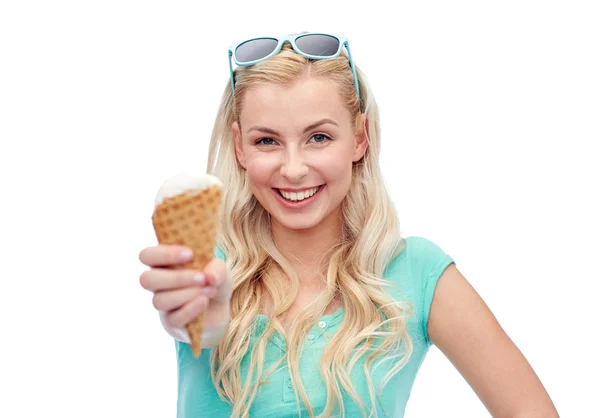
<point>316,46</point>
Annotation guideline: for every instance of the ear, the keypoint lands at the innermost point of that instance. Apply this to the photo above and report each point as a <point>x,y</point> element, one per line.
<point>362,139</point>
<point>237,139</point>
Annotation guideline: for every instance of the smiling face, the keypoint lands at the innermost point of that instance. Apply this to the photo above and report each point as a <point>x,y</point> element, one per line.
<point>297,144</point>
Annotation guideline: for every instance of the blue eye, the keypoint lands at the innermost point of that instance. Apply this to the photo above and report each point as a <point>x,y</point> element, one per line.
<point>324,137</point>
<point>265,141</point>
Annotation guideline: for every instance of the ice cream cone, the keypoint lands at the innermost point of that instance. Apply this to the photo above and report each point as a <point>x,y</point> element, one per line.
<point>189,215</point>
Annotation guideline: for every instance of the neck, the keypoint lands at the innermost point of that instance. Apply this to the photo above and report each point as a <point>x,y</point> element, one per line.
<point>304,248</point>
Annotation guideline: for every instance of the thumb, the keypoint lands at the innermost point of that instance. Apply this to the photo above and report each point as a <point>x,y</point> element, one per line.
<point>217,274</point>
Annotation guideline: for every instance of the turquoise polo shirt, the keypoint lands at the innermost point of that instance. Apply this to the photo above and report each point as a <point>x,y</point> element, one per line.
<point>415,271</point>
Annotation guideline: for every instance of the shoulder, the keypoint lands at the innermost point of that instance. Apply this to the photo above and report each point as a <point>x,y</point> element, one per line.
<point>422,256</point>
<point>416,271</point>
<point>428,257</point>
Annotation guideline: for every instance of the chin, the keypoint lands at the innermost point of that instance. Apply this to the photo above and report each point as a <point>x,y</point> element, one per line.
<point>296,223</point>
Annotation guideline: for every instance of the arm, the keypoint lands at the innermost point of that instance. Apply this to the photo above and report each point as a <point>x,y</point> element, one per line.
<point>177,333</point>
<point>462,326</point>
<point>210,338</point>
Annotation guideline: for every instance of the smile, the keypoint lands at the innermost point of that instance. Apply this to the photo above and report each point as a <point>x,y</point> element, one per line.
<point>305,194</point>
<point>299,198</point>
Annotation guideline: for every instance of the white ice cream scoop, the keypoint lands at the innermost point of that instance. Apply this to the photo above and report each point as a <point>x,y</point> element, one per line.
<point>185,182</point>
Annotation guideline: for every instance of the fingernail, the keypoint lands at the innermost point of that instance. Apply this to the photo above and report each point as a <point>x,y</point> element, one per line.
<point>209,279</point>
<point>186,254</point>
<point>199,277</point>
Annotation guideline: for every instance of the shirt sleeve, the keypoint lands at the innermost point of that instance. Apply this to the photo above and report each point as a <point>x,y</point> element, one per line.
<point>429,262</point>
<point>219,253</point>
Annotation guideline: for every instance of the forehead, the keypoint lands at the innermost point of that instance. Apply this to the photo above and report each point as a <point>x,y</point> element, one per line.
<point>295,105</point>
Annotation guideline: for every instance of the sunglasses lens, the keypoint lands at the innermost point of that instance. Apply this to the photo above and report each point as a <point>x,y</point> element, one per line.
<point>255,49</point>
<point>318,45</point>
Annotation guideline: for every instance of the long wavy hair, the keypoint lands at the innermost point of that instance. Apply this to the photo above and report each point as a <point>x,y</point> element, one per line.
<point>352,271</point>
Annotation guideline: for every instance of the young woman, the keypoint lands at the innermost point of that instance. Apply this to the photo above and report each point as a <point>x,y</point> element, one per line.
<point>314,304</point>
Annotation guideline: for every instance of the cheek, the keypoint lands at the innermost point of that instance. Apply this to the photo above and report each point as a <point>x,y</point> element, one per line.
<point>335,166</point>
<point>260,169</point>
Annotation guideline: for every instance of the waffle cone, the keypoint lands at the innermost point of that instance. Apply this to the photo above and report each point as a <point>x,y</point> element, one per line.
<point>191,219</point>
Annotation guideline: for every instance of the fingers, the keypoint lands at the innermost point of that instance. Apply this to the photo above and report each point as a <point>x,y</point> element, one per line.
<point>176,299</point>
<point>180,317</point>
<point>218,275</point>
<point>158,279</point>
<point>215,272</point>
<point>165,255</point>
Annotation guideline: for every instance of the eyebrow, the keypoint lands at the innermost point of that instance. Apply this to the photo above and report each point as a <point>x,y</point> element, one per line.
<point>308,128</point>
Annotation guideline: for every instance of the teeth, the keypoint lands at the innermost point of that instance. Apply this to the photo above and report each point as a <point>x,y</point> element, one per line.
<point>300,195</point>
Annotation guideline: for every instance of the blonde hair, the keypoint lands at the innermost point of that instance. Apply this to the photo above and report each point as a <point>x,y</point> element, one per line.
<point>352,273</point>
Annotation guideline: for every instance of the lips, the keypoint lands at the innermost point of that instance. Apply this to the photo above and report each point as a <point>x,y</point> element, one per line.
<point>298,196</point>
<point>302,198</point>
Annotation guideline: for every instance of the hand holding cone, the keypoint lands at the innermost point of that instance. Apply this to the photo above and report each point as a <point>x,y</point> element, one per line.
<point>187,213</point>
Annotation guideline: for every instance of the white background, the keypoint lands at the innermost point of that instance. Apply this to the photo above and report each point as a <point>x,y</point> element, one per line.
<point>490,117</point>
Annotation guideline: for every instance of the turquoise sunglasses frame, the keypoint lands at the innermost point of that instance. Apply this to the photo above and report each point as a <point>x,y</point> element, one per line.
<point>343,42</point>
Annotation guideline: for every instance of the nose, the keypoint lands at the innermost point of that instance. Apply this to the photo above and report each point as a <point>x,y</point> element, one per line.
<point>293,167</point>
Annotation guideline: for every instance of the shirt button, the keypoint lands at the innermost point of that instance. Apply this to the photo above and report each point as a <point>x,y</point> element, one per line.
<point>322,324</point>
<point>311,337</point>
